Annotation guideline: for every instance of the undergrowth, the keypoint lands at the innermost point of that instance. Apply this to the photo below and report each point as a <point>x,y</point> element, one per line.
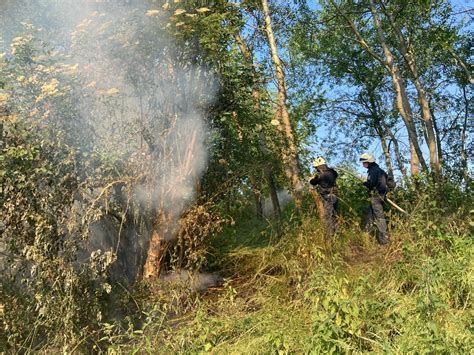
<point>288,288</point>
<point>291,289</point>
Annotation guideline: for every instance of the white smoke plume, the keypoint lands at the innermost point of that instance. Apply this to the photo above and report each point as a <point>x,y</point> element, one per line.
<point>150,107</point>
<point>143,98</point>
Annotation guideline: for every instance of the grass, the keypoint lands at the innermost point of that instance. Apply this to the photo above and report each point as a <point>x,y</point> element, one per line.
<point>288,288</point>
<point>295,291</point>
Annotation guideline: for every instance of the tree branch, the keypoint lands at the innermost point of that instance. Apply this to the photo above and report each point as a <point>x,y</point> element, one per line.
<point>360,39</point>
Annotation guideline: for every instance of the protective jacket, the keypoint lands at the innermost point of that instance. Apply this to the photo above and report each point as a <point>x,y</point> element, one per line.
<point>325,177</point>
<point>376,179</point>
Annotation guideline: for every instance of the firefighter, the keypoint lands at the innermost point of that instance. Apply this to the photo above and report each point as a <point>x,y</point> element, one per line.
<point>325,181</point>
<point>376,183</point>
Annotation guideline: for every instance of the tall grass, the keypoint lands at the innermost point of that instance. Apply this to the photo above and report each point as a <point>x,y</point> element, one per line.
<point>291,289</point>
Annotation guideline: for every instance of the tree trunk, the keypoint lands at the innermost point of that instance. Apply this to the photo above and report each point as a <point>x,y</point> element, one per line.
<point>410,60</point>
<point>154,256</point>
<point>156,248</point>
<point>414,161</point>
<point>290,154</point>
<point>438,138</point>
<point>462,65</point>
<point>253,179</point>
<point>398,155</point>
<point>428,121</point>
<point>377,119</point>
<point>403,103</point>
<point>165,220</point>
<point>257,195</point>
<point>262,146</point>
<point>386,151</point>
<point>464,164</point>
<point>267,171</point>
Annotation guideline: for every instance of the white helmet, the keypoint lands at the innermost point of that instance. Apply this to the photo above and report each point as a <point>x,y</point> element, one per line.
<point>367,158</point>
<point>319,161</point>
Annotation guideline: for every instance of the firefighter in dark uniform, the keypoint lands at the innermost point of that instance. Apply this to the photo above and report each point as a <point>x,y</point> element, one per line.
<point>377,185</point>
<point>325,180</point>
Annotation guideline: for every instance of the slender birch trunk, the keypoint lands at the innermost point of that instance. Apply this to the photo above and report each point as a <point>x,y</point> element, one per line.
<point>290,153</point>
<point>262,147</point>
<point>410,61</point>
<point>429,125</point>
<point>377,119</point>
<point>414,161</point>
<point>403,103</point>
<point>438,138</point>
<point>398,155</point>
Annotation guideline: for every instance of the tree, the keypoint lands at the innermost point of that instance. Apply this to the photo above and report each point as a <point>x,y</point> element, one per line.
<point>410,58</point>
<point>359,103</point>
<point>256,95</point>
<point>290,156</point>
<point>388,60</point>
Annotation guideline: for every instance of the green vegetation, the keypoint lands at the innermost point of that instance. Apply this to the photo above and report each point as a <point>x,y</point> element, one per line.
<point>154,168</point>
<point>287,288</point>
<point>292,290</point>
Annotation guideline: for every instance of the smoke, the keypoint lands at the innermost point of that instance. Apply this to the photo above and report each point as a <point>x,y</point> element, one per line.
<point>140,98</point>
<point>284,198</point>
<point>192,281</point>
<point>150,104</point>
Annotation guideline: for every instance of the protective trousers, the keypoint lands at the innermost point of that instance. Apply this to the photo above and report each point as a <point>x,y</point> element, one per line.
<point>376,216</point>
<point>330,204</point>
